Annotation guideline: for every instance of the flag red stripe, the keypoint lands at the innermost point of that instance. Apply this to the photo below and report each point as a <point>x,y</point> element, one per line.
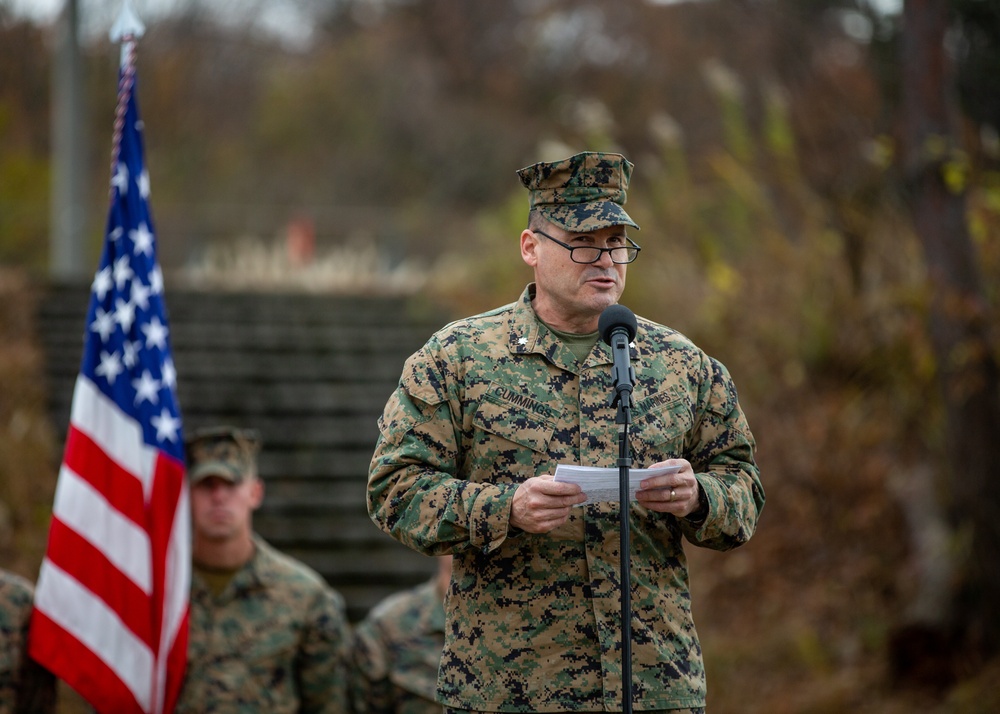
<point>96,573</point>
<point>176,663</point>
<point>72,661</point>
<point>167,484</point>
<point>121,488</point>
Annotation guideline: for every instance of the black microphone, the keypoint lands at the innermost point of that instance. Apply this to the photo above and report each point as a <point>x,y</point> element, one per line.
<point>618,327</point>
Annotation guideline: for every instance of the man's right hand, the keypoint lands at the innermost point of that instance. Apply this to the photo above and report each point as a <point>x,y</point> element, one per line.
<point>541,503</point>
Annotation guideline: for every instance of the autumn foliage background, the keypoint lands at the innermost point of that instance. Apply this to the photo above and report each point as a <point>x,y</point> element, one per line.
<point>776,234</point>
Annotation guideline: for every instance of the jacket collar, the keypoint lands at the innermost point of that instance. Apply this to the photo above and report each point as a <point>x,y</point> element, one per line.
<point>529,335</point>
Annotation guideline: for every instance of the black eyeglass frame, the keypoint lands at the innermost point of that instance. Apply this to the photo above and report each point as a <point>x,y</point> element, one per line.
<point>634,247</point>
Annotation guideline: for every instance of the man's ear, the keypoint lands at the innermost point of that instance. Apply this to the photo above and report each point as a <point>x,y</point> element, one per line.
<point>529,246</point>
<point>256,493</point>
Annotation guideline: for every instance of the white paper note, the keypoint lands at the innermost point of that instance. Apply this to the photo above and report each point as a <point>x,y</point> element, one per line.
<point>602,484</point>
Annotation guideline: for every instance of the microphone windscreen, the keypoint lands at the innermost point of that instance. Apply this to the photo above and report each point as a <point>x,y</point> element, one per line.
<point>617,316</point>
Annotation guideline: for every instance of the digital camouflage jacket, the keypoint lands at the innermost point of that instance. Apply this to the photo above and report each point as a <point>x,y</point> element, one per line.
<point>275,640</point>
<point>25,686</point>
<point>397,650</point>
<point>533,621</point>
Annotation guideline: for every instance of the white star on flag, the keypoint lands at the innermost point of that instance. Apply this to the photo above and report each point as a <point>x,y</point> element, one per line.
<point>143,240</point>
<point>103,324</point>
<point>110,367</point>
<point>124,314</point>
<point>146,388</point>
<point>140,295</point>
<point>102,282</point>
<point>169,374</point>
<point>156,280</point>
<point>166,426</point>
<point>122,272</point>
<point>130,353</point>
<point>120,179</point>
<point>156,333</point>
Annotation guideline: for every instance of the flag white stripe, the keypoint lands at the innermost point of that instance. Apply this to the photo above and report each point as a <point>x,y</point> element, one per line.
<point>118,435</point>
<point>88,618</point>
<point>86,511</point>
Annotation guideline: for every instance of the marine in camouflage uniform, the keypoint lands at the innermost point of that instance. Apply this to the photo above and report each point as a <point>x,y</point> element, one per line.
<point>533,619</point>
<point>269,635</point>
<point>25,686</point>
<point>274,640</point>
<point>397,650</point>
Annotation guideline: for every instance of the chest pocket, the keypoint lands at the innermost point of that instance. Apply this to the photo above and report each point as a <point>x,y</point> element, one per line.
<point>660,425</point>
<point>515,417</point>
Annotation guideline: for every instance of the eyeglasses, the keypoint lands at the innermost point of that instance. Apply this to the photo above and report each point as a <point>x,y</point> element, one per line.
<point>587,254</point>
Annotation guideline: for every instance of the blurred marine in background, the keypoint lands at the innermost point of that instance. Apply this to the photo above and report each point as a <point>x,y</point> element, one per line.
<point>397,650</point>
<point>267,634</point>
<point>25,686</point>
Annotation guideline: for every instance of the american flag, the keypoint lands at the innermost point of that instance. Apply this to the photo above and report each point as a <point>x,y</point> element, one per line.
<point>111,602</point>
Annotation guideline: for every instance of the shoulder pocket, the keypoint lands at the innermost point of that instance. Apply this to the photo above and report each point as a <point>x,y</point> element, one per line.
<point>415,400</point>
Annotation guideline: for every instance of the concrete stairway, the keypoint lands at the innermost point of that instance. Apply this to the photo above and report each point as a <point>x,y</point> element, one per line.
<point>312,373</point>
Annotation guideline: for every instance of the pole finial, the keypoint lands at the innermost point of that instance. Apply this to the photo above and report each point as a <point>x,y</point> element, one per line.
<point>128,24</point>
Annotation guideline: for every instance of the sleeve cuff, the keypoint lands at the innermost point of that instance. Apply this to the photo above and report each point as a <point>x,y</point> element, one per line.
<point>489,519</point>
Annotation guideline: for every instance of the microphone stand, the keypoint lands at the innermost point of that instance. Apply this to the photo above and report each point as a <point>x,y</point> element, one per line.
<point>618,327</point>
<point>623,398</point>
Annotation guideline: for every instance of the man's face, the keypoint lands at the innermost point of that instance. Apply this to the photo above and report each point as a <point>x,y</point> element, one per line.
<point>222,510</point>
<point>572,295</point>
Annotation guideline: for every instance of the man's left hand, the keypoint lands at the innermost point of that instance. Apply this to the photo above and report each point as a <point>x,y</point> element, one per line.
<point>675,493</point>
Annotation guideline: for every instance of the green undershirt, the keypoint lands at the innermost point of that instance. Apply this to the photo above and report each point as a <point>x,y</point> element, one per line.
<point>579,345</point>
<point>216,580</point>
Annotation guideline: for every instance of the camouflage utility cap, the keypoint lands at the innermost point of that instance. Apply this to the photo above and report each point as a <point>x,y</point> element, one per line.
<point>224,451</point>
<point>583,193</point>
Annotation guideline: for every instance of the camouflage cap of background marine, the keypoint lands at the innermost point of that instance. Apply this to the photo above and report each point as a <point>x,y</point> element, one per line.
<point>583,193</point>
<point>224,451</point>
